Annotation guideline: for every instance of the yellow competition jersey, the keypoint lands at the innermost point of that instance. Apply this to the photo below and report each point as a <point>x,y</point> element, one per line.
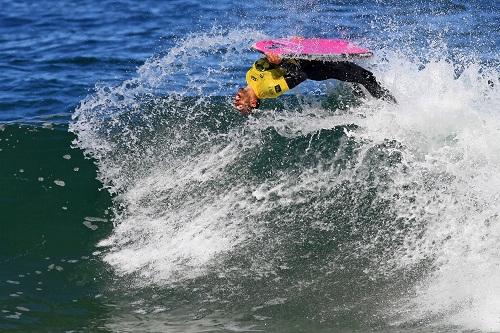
<point>266,80</point>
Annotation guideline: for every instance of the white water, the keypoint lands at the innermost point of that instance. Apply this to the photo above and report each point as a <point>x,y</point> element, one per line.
<point>450,129</point>
<point>181,215</point>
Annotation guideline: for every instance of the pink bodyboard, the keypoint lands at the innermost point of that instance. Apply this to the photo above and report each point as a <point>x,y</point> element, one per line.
<point>313,48</point>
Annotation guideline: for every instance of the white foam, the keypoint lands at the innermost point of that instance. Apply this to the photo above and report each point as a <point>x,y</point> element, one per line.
<point>183,239</point>
<point>450,129</point>
<point>59,182</point>
<point>179,214</point>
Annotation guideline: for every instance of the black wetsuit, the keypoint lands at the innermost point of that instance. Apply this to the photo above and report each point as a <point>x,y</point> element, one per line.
<point>297,71</point>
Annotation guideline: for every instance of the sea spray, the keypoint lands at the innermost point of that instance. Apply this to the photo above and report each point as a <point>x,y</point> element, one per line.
<point>395,204</point>
<point>448,125</point>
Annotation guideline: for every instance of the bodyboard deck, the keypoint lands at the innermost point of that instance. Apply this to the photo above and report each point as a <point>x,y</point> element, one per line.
<point>313,49</point>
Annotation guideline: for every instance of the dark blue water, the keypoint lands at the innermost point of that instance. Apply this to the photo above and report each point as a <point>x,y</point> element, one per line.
<point>53,53</point>
<point>134,198</point>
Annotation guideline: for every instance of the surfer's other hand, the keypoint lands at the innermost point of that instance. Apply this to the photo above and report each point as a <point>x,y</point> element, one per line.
<point>273,58</point>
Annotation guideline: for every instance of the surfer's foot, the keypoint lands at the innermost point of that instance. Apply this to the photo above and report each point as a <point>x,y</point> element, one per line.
<point>357,91</point>
<point>386,96</point>
<point>380,93</point>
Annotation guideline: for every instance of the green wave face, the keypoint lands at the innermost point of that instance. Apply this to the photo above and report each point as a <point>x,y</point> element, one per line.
<point>52,214</point>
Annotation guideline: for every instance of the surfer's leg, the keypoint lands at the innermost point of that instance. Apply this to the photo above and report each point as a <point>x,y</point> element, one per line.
<point>348,72</point>
<point>294,74</point>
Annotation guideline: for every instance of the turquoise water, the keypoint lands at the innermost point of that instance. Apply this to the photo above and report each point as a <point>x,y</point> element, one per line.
<point>135,199</point>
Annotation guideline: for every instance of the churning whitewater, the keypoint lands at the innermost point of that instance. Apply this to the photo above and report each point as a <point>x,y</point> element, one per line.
<point>323,203</point>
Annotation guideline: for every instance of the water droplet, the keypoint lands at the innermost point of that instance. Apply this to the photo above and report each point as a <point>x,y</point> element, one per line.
<point>59,182</point>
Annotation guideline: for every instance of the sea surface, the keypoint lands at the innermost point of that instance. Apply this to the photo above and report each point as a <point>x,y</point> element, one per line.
<point>134,198</point>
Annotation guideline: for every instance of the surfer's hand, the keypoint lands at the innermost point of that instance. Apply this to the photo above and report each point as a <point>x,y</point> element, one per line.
<point>297,38</point>
<point>273,58</point>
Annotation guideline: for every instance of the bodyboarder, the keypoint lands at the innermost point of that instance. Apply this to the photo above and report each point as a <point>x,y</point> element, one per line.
<point>271,76</point>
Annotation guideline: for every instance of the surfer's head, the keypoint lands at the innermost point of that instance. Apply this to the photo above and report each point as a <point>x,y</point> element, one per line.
<point>246,100</point>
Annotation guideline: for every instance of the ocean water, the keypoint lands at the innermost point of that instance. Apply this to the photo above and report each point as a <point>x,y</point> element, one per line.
<point>133,198</point>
